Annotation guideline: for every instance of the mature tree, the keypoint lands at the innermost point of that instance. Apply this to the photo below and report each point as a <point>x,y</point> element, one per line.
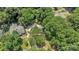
<point>26,16</point>
<point>13,14</point>
<point>11,42</point>
<point>53,25</point>
<point>42,13</point>
<point>3,17</point>
<point>8,16</point>
<point>60,34</point>
<point>74,19</point>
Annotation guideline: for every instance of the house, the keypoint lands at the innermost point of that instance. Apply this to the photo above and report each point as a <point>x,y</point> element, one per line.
<point>18,28</point>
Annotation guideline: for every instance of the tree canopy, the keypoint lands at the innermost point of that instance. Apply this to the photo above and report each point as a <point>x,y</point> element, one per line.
<point>42,28</point>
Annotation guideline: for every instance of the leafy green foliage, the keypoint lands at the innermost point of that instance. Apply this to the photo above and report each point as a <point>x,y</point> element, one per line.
<point>35,30</point>
<point>11,42</point>
<point>32,41</point>
<point>53,26</point>
<point>38,37</point>
<point>3,17</point>
<point>26,16</point>
<point>42,13</point>
<point>74,19</point>
<point>29,15</point>
<point>13,14</point>
<point>61,33</point>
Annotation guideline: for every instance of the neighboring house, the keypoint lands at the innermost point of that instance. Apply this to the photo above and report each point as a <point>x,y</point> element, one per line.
<point>18,28</point>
